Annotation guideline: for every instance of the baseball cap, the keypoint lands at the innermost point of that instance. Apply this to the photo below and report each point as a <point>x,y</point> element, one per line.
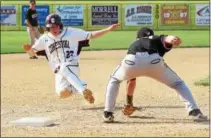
<point>32,1</point>
<point>53,19</point>
<point>144,32</point>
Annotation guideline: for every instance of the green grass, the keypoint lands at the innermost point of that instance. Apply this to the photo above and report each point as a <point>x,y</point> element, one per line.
<point>12,41</point>
<point>203,82</point>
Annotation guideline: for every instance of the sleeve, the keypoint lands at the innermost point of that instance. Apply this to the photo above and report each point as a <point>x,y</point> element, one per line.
<point>27,14</point>
<point>39,45</point>
<point>155,37</point>
<point>165,45</point>
<point>41,53</point>
<point>81,35</point>
<point>155,43</point>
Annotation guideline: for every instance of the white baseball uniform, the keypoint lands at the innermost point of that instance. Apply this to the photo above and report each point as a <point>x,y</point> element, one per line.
<point>63,56</point>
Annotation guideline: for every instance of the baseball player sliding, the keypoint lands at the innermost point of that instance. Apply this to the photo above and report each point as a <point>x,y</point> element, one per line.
<point>62,47</point>
<point>145,58</point>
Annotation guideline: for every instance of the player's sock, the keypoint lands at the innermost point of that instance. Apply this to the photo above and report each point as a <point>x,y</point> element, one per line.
<point>129,100</point>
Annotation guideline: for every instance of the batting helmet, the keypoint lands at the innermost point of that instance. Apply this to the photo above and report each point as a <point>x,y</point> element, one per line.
<point>53,19</point>
<point>144,32</point>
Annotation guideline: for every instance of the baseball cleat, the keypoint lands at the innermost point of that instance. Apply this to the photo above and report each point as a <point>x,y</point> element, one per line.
<point>108,117</point>
<point>65,93</point>
<point>197,115</point>
<point>88,96</point>
<point>128,110</point>
<point>33,57</point>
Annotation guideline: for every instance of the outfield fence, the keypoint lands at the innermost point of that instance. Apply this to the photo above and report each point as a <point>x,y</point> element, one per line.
<point>159,15</point>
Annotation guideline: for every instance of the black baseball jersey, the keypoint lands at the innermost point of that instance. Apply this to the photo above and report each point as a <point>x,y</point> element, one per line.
<point>155,44</point>
<point>31,16</point>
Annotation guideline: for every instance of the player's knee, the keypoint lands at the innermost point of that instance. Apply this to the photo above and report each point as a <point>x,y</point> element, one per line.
<point>114,80</point>
<point>177,84</point>
<point>65,93</point>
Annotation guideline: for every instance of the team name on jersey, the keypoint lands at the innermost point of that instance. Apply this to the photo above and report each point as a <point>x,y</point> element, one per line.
<point>59,44</point>
<point>34,15</point>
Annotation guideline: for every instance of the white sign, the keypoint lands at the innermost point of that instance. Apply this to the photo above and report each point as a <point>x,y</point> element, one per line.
<point>8,15</point>
<point>202,14</point>
<point>72,15</point>
<point>136,15</point>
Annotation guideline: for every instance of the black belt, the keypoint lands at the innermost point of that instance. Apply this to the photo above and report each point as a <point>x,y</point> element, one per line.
<point>149,52</point>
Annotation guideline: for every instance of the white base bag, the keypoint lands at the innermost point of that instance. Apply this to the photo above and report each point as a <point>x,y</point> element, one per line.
<point>33,121</point>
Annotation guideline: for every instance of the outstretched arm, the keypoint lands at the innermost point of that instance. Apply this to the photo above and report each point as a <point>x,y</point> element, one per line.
<point>32,50</point>
<point>96,34</point>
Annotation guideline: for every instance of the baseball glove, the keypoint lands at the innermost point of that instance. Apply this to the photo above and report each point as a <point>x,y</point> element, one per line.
<point>128,110</point>
<point>26,47</point>
<point>176,41</point>
<point>41,30</point>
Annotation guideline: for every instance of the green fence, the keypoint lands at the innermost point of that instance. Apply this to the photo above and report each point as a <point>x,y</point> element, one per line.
<point>159,15</point>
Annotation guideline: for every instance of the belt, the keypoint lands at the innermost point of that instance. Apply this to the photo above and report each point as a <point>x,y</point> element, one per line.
<point>58,68</point>
<point>149,52</point>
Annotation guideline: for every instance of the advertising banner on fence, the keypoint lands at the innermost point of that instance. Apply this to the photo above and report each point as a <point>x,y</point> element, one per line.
<point>72,15</point>
<point>8,15</point>
<point>42,11</point>
<point>176,14</point>
<point>202,14</point>
<point>104,15</point>
<point>136,15</point>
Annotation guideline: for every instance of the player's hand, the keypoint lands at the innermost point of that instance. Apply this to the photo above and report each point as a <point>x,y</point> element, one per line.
<point>113,26</point>
<point>26,47</point>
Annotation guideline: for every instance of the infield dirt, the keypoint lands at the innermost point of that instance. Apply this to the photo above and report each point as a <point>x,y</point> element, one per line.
<point>27,89</point>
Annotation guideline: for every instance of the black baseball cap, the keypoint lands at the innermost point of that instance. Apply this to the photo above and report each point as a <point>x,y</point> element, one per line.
<point>144,32</point>
<point>32,1</point>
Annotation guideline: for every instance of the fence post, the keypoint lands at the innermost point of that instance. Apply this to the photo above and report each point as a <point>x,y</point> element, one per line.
<point>87,16</point>
<point>121,14</point>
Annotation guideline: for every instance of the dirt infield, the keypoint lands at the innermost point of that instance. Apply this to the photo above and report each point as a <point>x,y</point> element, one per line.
<point>27,89</point>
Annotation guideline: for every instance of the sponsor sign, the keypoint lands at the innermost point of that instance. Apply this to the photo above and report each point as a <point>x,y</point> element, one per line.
<point>174,14</point>
<point>202,14</point>
<point>42,11</point>
<point>72,15</point>
<point>104,15</point>
<point>8,15</point>
<point>136,15</point>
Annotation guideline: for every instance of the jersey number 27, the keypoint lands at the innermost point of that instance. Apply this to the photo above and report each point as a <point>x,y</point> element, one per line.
<point>69,54</point>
